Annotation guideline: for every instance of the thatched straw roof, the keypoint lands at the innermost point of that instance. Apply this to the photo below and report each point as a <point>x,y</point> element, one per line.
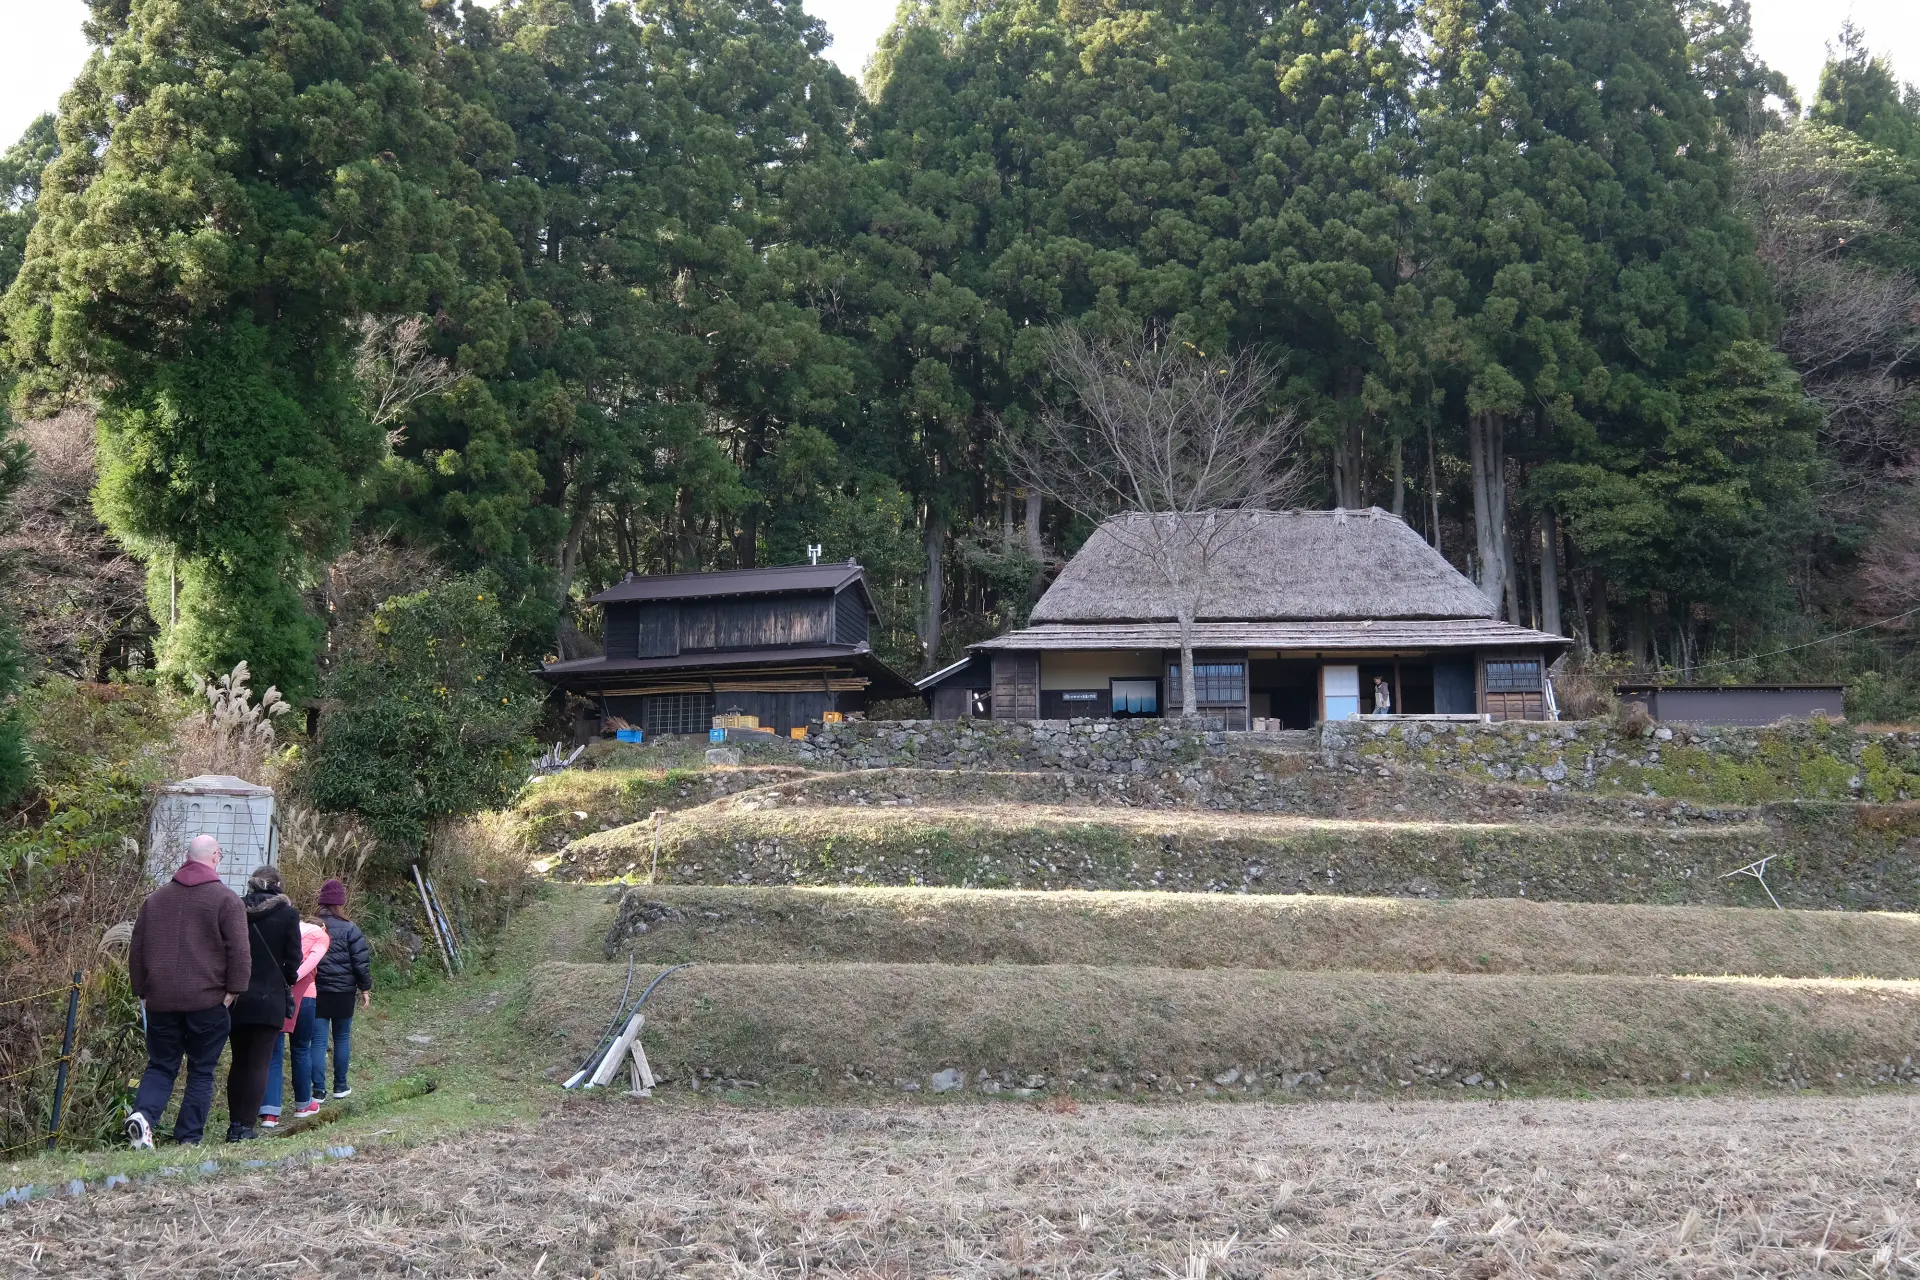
<point>1284,565</point>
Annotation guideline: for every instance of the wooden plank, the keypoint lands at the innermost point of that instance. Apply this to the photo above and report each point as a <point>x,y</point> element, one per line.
<point>638,1072</point>
<point>617,1054</point>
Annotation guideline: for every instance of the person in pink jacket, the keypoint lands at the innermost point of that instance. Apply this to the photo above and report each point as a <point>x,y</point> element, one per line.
<point>313,948</point>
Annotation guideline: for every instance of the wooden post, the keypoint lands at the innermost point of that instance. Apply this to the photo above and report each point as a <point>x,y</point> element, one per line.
<point>653,872</point>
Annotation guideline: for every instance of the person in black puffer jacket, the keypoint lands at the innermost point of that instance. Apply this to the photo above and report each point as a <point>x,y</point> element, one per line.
<point>347,968</point>
<point>273,929</point>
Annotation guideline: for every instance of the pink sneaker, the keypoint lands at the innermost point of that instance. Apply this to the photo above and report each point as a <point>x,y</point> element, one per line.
<point>269,1122</point>
<point>311,1109</point>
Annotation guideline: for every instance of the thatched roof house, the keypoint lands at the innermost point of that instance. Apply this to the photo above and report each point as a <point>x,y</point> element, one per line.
<point>1280,565</point>
<point>1302,616</point>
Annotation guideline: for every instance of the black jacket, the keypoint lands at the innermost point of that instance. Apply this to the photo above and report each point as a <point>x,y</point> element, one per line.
<point>273,929</point>
<point>348,964</point>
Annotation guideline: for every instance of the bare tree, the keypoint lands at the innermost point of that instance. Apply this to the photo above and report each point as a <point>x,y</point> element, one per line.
<point>396,369</point>
<point>1176,440</point>
<point>1852,328</point>
<point>81,600</point>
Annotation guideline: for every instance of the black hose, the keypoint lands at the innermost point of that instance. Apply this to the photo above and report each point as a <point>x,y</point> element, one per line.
<point>656,982</point>
<point>622,1020</point>
<point>606,1037</point>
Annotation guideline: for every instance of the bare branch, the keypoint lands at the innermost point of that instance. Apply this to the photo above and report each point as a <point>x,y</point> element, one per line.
<point>1176,441</point>
<point>396,369</point>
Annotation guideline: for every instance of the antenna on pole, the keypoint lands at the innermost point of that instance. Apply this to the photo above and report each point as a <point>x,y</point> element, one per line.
<point>813,553</point>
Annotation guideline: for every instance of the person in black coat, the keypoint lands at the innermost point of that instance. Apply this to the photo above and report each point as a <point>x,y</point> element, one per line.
<point>273,929</point>
<point>346,969</point>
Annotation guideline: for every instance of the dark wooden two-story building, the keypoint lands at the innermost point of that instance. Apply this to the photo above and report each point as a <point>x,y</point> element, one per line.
<point>784,644</point>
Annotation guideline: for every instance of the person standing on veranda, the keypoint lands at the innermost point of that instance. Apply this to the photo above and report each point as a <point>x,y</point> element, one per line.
<point>189,961</point>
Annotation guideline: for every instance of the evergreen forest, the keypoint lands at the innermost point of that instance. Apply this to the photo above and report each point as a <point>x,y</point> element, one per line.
<point>314,305</point>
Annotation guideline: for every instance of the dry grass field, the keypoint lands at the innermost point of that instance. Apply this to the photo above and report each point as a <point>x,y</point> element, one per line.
<point>607,1188</point>
<point>739,924</point>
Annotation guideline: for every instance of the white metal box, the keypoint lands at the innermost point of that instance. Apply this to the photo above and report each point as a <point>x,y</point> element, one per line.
<point>237,813</point>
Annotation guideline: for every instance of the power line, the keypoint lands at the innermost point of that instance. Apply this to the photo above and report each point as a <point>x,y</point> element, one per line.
<point>1792,648</point>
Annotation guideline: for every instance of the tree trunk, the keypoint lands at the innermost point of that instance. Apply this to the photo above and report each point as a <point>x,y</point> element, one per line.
<point>1189,697</point>
<point>687,553</point>
<point>1034,545</point>
<point>1399,478</point>
<point>936,544</point>
<point>746,543</point>
<point>1520,573</point>
<point>1433,487</point>
<point>1602,618</point>
<point>1349,460</point>
<point>569,555</point>
<point>1637,632</point>
<point>1550,572</point>
<point>1486,454</point>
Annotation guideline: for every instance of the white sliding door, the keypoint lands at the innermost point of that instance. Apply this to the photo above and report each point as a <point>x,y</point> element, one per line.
<point>1339,693</point>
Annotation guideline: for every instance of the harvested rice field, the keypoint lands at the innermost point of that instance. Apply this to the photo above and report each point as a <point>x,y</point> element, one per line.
<point>1658,1188</point>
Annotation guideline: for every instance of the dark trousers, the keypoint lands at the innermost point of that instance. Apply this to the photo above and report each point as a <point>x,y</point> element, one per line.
<point>199,1036</point>
<point>247,1074</point>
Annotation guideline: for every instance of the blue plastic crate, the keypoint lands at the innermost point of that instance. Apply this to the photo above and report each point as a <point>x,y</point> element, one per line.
<point>627,735</point>
<point>716,735</point>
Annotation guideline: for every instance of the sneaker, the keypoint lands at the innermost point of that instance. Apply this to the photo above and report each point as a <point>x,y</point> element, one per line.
<point>139,1132</point>
<point>311,1109</point>
<point>269,1122</point>
<point>343,1092</point>
<point>240,1133</point>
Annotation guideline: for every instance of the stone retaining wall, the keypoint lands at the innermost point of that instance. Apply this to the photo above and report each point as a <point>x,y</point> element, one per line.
<point>1716,765</point>
<point>1724,766</point>
<point>1093,745</point>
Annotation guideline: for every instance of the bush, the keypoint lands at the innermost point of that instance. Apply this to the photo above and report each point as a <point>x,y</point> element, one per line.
<point>426,719</point>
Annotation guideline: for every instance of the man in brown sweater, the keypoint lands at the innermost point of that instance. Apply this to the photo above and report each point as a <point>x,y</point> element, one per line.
<point>189,960</point>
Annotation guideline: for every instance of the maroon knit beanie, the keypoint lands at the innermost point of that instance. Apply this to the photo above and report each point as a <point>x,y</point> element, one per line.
<point>333,894</point>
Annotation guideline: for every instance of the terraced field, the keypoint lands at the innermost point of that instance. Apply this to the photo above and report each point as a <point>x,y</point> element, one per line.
<point>913,931</point>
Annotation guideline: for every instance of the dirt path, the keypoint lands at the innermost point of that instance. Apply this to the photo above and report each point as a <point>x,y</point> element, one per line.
<point>1696,1188</point>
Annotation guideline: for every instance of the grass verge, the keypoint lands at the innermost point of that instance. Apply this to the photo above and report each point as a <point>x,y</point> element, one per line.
<point>670,924</point>
<point>808,1028</point>
<point>439,1056</point>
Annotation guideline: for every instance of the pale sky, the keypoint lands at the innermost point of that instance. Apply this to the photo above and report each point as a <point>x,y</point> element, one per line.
<point>41,47</point>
